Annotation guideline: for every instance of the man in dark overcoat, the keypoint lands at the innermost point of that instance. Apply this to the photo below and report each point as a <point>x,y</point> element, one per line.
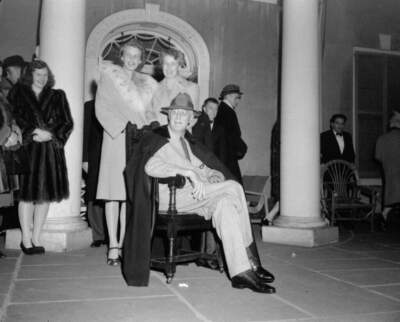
<point>387,152</point>
<point>227,119</point>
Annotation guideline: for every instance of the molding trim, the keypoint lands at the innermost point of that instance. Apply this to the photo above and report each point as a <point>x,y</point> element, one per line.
<point>150,17</point>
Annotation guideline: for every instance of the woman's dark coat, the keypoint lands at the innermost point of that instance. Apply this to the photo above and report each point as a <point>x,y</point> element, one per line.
<point>48,179</point>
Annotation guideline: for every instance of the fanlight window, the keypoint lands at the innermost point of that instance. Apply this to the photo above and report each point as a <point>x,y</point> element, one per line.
<point>153,45</point>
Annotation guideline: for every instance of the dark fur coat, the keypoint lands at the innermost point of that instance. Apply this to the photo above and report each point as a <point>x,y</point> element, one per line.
<point>48,178</point>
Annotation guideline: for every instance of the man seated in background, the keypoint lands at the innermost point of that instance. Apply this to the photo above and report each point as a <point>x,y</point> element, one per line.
<point>207,192</point>
<point>337,144</point>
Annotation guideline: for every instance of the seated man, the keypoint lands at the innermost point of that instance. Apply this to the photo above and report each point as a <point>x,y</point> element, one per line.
<point>172,152</point>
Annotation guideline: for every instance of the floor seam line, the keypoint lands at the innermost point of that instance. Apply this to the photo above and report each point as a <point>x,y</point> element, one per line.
<point>144,297</point>
<point>66,278</point>
<point>11,287</point>
<point>380,285</point>
<point>310,315</point>
<point>182,299</point>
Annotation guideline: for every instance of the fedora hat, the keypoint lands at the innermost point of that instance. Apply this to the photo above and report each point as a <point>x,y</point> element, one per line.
<point>182,101</point>
<point>229,89</point>
<point>15,60</point>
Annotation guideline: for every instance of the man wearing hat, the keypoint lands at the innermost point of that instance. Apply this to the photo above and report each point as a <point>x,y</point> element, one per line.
<point>12,70</point>
<point>209,191</point>
<point>227,118</point>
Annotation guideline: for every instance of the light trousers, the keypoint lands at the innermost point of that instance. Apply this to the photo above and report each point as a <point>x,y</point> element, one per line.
<point>225,205</point>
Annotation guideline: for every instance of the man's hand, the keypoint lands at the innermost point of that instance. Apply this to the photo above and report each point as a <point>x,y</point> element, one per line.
<point>40,135</point>
<point>199,189</point>
<point>215,176</point>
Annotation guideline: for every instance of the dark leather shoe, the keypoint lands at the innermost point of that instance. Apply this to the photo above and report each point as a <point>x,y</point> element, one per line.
<point>97,243</point>
<point>26,251</point>
<point>255,264</point>
<point>2,254</point>
<point>38,249</point>
<point>263,274</point>
<point>249,279</point>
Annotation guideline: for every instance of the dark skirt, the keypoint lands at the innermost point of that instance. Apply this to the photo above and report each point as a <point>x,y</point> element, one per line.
<point>47,179</point>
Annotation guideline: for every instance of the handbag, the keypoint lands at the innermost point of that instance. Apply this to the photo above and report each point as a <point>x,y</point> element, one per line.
<point>16,159</point>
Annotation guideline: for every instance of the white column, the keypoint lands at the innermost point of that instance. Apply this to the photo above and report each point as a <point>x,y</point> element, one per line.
<point>62,47</point>
<point>300,212</point>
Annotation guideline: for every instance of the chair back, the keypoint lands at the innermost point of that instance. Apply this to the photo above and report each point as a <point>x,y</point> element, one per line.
<point>340,178</point>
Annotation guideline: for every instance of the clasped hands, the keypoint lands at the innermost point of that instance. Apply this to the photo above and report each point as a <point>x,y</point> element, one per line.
<point>40,135</point>
<point>198,184</point>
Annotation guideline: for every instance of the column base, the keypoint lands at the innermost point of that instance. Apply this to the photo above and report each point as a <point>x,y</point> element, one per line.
<point>307,237</point>
<point>54,240</point>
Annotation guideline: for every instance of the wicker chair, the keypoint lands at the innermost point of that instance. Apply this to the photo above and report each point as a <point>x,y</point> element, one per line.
<point>342,198</point>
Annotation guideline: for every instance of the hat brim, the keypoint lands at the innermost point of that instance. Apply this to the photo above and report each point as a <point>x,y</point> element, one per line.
<point>164,110</point>
<point>221,96</point>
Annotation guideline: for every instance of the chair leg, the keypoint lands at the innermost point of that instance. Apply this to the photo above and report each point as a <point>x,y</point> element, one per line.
<point>372,221</point>
<point>170,268</point>
<point>219,258</point>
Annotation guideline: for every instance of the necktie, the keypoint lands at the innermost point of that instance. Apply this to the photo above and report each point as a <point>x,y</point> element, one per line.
<point>339,134</point>
<point>185,148</point>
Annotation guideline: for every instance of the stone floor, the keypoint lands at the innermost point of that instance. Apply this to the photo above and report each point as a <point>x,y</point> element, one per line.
<point>357,279</point>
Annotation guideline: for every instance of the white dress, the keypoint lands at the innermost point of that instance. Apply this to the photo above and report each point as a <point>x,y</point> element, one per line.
<point>119,100</point>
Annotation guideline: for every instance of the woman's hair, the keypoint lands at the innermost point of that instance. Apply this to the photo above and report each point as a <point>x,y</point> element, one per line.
<point>27,76</point>
<point>135,44</point>
<point>175,53</point>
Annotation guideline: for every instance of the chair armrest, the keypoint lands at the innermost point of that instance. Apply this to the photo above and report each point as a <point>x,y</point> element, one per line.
<point>173,183</point>
<point>178,181</point>
<point>370,192</point>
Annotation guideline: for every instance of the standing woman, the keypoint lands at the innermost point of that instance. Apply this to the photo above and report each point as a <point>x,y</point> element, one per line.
<point>44,117</point>
<point>173,84</point>
<point>123,95</point>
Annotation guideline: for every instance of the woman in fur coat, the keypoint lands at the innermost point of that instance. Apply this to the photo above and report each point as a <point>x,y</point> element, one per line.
<point>44,117</point>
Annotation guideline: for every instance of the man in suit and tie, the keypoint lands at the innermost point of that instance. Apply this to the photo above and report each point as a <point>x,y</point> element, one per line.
<point>337,144</point>
<point>213,137</point>
<point>227,118</point>
<point>210,134</point>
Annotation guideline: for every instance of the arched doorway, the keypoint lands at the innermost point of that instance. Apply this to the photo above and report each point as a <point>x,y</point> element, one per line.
<point>156,30</point>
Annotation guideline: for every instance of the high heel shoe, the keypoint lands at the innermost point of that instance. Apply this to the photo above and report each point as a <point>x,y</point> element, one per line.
<point>38,249</point>
<point>26,251</point>
<point>113,261</point>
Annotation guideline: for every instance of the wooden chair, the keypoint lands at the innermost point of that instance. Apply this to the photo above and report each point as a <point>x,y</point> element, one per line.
<point>342,197</point>
<point>173,223</point>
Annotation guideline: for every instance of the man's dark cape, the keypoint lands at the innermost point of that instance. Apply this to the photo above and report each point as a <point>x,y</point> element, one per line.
<point>137,242</point>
